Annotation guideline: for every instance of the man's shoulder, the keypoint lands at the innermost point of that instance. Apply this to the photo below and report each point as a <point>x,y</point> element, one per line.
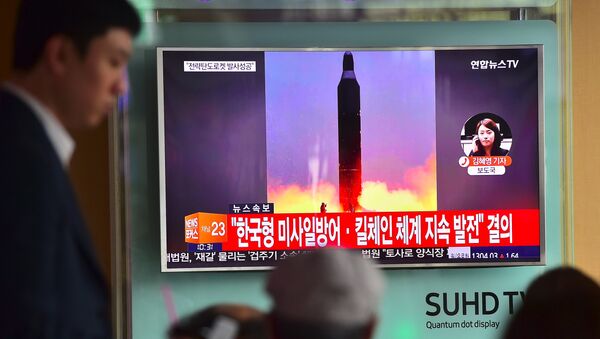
<point>16,114</point>
<point>22,136</point>
<point>28,161</point>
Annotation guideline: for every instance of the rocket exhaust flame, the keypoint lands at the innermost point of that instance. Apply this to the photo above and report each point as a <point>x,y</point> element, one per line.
<point>417,193</point>
<point>296,199</point>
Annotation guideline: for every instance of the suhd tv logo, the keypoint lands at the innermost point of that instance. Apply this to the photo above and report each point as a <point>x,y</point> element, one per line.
<point>471,303</point>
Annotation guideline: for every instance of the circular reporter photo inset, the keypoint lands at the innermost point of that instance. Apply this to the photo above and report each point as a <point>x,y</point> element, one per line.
<point>486,134</point>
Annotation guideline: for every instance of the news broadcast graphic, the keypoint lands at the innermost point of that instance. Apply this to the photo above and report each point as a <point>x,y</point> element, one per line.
<point>413,157</point>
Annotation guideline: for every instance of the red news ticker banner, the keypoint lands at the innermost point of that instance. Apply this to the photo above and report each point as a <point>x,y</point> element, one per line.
<point>297,231</point>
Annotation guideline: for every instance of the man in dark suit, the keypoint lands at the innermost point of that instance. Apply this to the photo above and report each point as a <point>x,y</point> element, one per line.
<point>68,70</point>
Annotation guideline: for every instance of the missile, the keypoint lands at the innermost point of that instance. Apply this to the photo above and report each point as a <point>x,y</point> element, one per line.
<point>350,177</point>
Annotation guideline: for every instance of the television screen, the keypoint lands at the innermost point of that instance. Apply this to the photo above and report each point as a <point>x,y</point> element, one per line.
<point>414,157</point>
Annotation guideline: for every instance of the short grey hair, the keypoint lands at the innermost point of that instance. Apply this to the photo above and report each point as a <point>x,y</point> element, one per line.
<point>329,286</point>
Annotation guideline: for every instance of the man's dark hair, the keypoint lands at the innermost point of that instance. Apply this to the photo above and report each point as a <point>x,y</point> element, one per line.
<point>79,20</point>
<point>562,303</point>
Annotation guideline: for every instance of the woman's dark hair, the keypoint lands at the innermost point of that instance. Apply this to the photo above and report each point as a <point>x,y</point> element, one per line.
<point>562,303</point>
<point>491,124</point>
<point>79,20</point>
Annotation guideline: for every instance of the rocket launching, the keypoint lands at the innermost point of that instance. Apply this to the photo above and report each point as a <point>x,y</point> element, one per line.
<point>350,181</point>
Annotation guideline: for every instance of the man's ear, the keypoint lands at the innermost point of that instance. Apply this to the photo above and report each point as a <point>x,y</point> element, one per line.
<point>58,54</point>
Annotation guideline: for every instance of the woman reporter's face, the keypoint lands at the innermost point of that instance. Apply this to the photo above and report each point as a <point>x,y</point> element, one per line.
<point>486,136</point>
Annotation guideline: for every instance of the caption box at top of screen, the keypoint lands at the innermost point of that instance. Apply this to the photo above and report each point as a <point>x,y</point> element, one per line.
<point>219,66</point>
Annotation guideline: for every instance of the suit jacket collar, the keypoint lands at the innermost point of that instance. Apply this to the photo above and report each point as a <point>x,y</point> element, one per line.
<point>59,137</point>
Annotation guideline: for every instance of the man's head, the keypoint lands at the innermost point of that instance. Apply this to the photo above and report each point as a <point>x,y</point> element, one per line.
<point>221,321</point>
<point>77,51</point>
<point>330,293</point>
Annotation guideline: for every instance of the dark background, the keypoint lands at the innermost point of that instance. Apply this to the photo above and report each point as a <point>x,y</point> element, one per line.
<point>512,94</point>
<point>215,138</point>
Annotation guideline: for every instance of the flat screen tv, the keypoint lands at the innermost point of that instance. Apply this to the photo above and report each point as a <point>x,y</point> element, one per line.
<point>415,157</point>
